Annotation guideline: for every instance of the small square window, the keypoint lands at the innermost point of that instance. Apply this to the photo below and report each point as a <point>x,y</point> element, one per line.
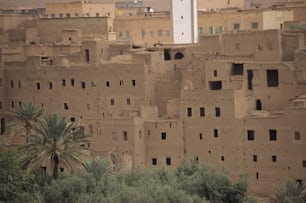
<point>251,135</point>
<point>154,161</point>
<point>215,73</point>
<point>66,106</point>
<point>273,135</point>
<point>189,112</point>
<point>38,86</point>
<point>297,135</point>
<point>12,83</point>
<point>216,133</point>
<point>304,164</point>
<point>218,111</point>
<point>254,25</point>
<point>0,104</point>
<point>236,26</point>
<point>222,158</point>
<point>19,84</point>
<point>168,161</point>
<point>107,83</point>
<point>83,85</point>
<point>133,82</point>
<point>202,111</point>
<point>63,82</point>
<point>72,119</point>
<point>163,135</point>
<point>72,82</point>
<point>273,158</point>
<point>200,136</point>
<point>112,102</point>
<point>128,101</point>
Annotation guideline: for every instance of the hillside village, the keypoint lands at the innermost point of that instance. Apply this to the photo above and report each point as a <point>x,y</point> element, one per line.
<point>235,100</point>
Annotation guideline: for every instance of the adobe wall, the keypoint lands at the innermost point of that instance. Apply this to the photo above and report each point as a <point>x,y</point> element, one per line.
<point>211,4</point>
<point>93,26</point>
<point>13,21</point>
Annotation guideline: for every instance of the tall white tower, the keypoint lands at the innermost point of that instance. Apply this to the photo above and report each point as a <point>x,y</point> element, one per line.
<point>185,21</point>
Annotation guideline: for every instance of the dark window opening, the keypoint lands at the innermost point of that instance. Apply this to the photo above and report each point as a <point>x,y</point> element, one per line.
<point>258,105</point>
<point>272,78</point>
<point>12,83</point>
<point>61,169</point>
<point>50,85</point>
<point>0,104</point>
<point>20,103</point>
<point>273,158</point>
<point>167,54</point>
<point>215,73</point>
<point>250,79</point>
<point>112,102</point>
<point>66,106</point>
<point>215,85</point>
<point>12,104</point>
<point>257,175</point>
<point>2,130</point>
<point>216,133</point>
<point>273,135</point>
<point>128,101</point>
<point>163,135</point>
<point>200,136</point>
<point>178,55</point>
<point>38,86</point>
<point>237,69</point>
<point>202,111</point>
<point>19,84</point>
<point>189,111</point>
<point>125,136</point>
<point>72,119</point>
<point>121,82</point>
<point>168,161</point>
<point>72,82</point>
<point>63,82</point>
<point>218,111</point>
<point>87,55</point>
<point>297,135</point>
<point>251,135</point>
<point>255,158</point>
<point>133,82</point>
<point>154,161</point>
<point>304,163</point>
<point>107,84</point>
<point>222,158</point>
<point>83,85</point>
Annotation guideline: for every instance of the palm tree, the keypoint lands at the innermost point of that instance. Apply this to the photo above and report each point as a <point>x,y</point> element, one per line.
<point>56,142</point>
<point>290,191</point>
<point>25,116</point>
<point>97,167</point>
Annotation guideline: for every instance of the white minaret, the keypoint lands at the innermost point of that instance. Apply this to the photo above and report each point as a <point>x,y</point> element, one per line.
<point>185,21</point>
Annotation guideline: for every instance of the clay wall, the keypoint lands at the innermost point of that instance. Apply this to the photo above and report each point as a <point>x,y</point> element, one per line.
<point>167,137</point>
<point>218,4</point>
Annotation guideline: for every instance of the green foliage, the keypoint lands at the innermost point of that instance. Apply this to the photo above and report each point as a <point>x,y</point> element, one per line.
<point>55,141</point>
<point>12,178</point>
<point>290,192</point>
<point>98,167</point>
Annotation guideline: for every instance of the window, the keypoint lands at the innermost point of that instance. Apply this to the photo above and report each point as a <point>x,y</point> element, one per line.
<point>97,14</point>
<point>215,85</point>
<point>83,85</point>
<point>272,78</point>
<point>255,158</point>
<point>163,135</point>
<point>201,30</point>
<point>168,161</point>
<point>87,55</point>
<point>72,82</point>
<point>258,105</point>
<point>200,136</point>
<point>107,83</point>
<point>112,102</point>
<point>304,163</point>
<point>211,30</point>
<point>19,84</point>
<point>52,15</point>
<point>215,73</point>
<point>218,111</point>
<point>167,54</point>
<point>60,15</point>
<point>133,82</point>
<point>251,135</point>
<point>222,158</point>
<point>50,85</point>
<point>68,15</point>
<point>189,111</point>
<point>66,106</point>
<point>237,69</point>
<point>76,14</point>
<point>216,133</point>
<point>154,161</point>
<point>63,82</point>
<point>12,104</point>
<point>124,135</point>
<point>202,111</point>
<point>72,119</point>
<point>274,158</point>
<point>2,129</point>
<point>160,33</point>
<point>297,135</point>
<point>236,26</point>
<point>151,33</point>
<point>168,33</point>
<point>254,25</point>
<point>12,83</point>
<point>120,82</point>
<point>0,82</point>
<point>273,135</point>
<point>128,101</point>
<point>38,86</point>
<point>0,104</point>
<point>250,79</point>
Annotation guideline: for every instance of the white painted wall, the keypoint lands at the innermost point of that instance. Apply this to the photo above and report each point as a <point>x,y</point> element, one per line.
<point>184,21</point>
